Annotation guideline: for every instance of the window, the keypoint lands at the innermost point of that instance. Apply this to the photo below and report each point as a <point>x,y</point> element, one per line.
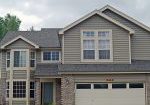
<point>118,85</point>
<point>136,85</point>
<point>19,58</point>
<point>32,59</point>
<point>8,59</point>
<point>32,87</point>
<point>89,49</point>
<point>19,89</point>
<point>83,86</point>
<point>100,86</point>
<point>51,56</point>
<point>7,89</point>
<point>96,45</point>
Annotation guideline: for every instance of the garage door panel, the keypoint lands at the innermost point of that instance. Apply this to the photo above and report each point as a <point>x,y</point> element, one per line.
<point>110,96</point>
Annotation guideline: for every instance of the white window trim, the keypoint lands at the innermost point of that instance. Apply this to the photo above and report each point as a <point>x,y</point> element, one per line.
<point>50,61</point>
<point>8,89</point>
<point>96,47</point>
<point>32,89</point>
<point>19,98</point>
<point>27,59</point>
<point>7,68</point>
<point>32,59</point>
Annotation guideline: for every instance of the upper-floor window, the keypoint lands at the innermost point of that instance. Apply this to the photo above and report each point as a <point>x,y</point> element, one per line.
<point>96,45</point>
<point>20,58</point>
<point>51,56</point>
<point>32,59</point>
<point>8,59</point>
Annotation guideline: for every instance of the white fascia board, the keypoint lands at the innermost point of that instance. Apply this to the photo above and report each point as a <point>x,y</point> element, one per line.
<point>100,14</point>
<point>125,16</point>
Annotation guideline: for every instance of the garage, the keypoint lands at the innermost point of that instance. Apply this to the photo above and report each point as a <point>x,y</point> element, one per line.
<point>110,94</point>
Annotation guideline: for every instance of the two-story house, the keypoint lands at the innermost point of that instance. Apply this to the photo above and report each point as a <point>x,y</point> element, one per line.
<point>101,59</point>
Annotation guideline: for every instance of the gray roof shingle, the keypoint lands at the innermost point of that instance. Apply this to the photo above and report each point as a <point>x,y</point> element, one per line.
<point>47,37</point>
<point>136,66</point>
<point>46,69</point>
<point>57,69</point>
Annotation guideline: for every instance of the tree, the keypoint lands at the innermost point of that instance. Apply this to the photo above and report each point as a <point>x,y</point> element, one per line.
<point>9,23</point>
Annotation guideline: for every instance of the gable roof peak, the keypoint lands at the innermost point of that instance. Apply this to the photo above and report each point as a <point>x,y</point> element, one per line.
<point>100,14</point>
<point>124,16</point>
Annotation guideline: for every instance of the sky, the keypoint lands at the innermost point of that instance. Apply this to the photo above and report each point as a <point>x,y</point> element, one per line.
<point>59,13</point>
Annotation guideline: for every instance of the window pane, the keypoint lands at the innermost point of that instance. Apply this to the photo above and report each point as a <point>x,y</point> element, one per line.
<point>104,54</point>
<point>104,44</point>
<point>89,54</point>
<point>88,33</point>
<point>32,63</point>
<point>55,55</point>
<point>88,44</point>
<point>100,86</point>
<point>136,85</point>
<point>83,86</point>
<point>23,59</point>
<point>16,58</point>
<point>8,55</point>
<point>32,54</point>
<point>19,58</point>
<point>46,55</point>
<point>19,89</point>
<point>118,85</point>
<point>8,63</point>
<point>104,35</point>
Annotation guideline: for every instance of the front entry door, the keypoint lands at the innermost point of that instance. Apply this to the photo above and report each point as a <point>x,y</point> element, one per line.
<point>47,93</point>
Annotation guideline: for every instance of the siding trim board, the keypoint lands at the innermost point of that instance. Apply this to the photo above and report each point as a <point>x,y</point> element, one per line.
<point>100,14</point>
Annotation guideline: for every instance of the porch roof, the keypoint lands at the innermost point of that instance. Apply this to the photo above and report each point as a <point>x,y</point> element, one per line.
<point>46,69</point>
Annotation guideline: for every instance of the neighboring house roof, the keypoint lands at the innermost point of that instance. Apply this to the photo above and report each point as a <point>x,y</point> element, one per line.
<point>17,38</point>
<point>100,14</point>
<point>135,67</point>
<point>44,38</point>
<point>46,69</point>
<point>125,16</point>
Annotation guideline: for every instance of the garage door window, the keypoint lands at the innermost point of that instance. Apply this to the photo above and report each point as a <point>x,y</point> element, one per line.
<point>136,85</point>
<point>100,86</point>
<point>117,86</point>
<point>83,86</point>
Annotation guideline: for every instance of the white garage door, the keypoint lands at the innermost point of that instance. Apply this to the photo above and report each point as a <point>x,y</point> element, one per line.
<point>110,94</point>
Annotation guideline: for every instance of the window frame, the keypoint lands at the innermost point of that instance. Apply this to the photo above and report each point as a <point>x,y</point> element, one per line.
<point>27,58</point>
<point>19,90</point>
<point>31,59</point>
<point>7,89</point>
<point>32,89</point>
<point>96,39</point>
<point>50,61</point>
<point>8,59</point>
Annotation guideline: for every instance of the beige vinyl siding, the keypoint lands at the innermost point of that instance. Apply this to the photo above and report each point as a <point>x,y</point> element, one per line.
<point>3,65</point>
<point>72,41</point>
<point>140,41</point>
<point>19,74</point>
<point>14,102</point>
<point>32,74</point>
<point>8,74</point>
<point>19,44</point>
<point>38,56</point>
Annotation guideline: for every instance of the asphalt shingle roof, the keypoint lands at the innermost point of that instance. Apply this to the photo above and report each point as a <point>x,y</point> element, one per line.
<point>57,69</point>
<point>47,37</point>
<point>46,69</point>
